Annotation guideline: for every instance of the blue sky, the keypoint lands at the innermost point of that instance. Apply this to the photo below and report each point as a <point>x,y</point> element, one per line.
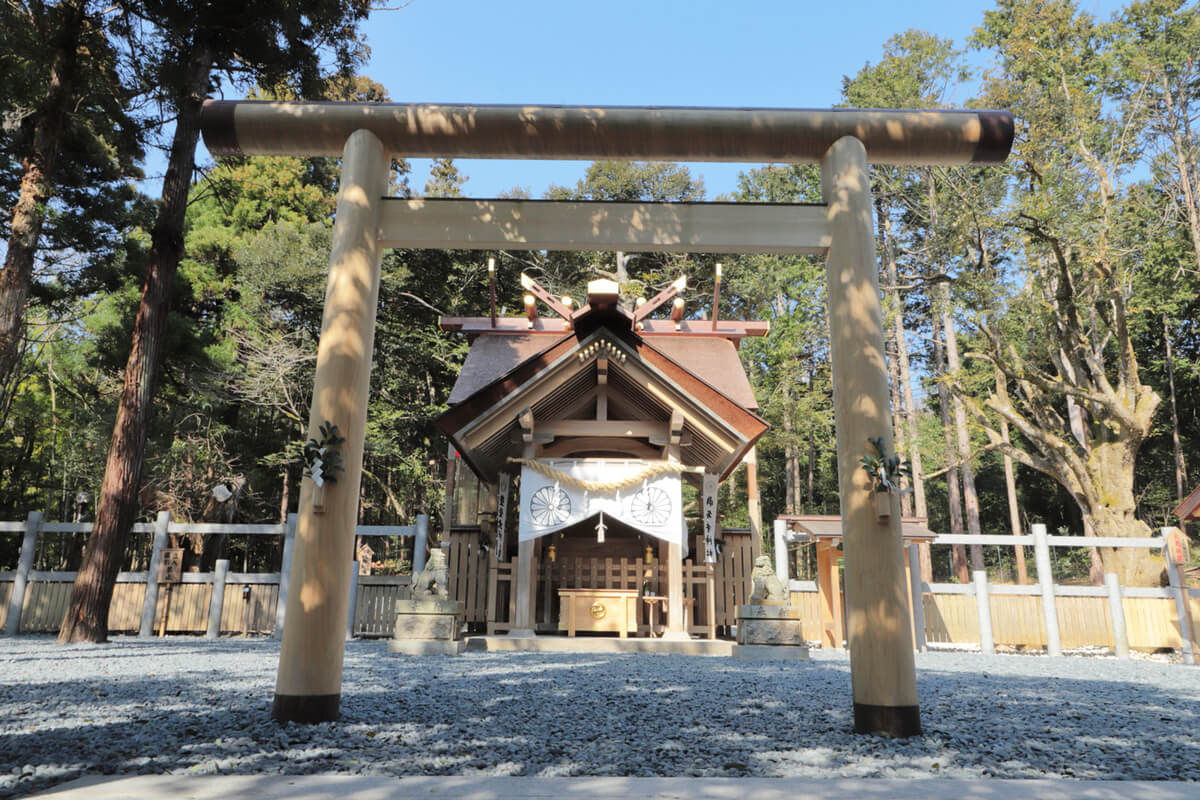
<point>768,53</point>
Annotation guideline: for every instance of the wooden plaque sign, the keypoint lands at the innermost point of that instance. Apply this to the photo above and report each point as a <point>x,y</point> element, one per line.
<point>171,568</point>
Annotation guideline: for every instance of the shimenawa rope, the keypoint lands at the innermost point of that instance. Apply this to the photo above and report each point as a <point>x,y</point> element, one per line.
<point>652,470</point>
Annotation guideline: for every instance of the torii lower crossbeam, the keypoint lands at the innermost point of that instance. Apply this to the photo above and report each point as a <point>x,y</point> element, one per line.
<point>460,224</point>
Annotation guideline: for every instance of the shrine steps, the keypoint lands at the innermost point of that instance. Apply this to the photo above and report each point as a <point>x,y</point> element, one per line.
<point>601,644</point>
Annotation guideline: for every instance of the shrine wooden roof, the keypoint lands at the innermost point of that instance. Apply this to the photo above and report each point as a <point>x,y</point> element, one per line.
<point>829,527</point>
<point>1190,507</point>
<point>713,360</point>
<point>649,397</point>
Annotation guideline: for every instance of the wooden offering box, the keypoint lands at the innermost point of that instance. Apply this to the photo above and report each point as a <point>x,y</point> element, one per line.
<point>598,610</point>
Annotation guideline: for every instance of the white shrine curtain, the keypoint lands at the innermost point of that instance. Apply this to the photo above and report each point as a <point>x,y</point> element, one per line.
<point>652,505</point>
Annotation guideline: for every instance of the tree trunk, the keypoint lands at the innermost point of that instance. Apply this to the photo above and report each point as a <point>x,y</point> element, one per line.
<point>961,436</point>
<point>898,423</point>
<point>812,447</point>
<point>906,434</point>
<point>789,500</point>
<point>1080,433</point>
<point>1181,481</point>
<point>36,185</point>
<point>1010,489</point>
<point>86,619</point>
<point>790,467</point>
<point>283,498</point>
<point>796,478</point>
<point>1115,514</point>
<point>953,496</point>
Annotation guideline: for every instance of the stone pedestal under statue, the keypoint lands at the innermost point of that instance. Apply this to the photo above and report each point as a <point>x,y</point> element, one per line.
<point>428,626</point>
<point>429,623</point>
<point>768,628</point>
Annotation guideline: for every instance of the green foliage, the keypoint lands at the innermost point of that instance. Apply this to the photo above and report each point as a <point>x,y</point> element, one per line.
<point>322,459</point>
<point>1096,195</point>
<point>885,470</point>
<point>445,179</point>
<point>631,181</point>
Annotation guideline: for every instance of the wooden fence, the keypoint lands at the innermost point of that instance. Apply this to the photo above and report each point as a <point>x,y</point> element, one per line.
<point>212,603</point>
<point>1043,615</point>
<point>467,561</point>
<point>1047,615</point>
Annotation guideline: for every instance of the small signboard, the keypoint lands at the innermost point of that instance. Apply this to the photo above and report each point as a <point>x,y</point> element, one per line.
<point>171,569</point>
<point>1177,546</point>
<point>710,518</point>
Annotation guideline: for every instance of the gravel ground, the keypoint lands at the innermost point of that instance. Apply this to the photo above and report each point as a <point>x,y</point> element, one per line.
<point>195,707</point>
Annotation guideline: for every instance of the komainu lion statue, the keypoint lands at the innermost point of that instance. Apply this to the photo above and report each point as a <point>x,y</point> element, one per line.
<point>434,580</point>
<point>768,589</point>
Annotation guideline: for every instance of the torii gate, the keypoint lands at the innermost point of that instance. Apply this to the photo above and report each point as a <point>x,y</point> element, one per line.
<point>367,135</point>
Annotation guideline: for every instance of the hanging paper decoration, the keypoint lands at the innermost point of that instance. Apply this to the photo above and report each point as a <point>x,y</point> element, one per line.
<point>558,493</point>
<point>710,518</point>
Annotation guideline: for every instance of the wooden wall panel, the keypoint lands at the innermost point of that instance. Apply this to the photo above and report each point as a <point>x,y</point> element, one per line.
<point>1084,621</point>
<point>951,618</point>
<point>261,619</point>
<point>125,613</point>
<point>1150,622</point>
<point>44,606</point>
<point>1017,620</point>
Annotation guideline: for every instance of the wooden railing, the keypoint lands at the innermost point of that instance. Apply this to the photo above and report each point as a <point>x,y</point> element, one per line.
<point>375,609</point>
<point>467,561</point>
<point>1045,614</point>
<point>501,604</point>
<point>212,603</point>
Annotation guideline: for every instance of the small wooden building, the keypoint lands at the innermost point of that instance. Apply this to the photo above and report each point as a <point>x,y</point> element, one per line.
<point>584,428</point>
<point>825,533</point>
<point>1188,509</point>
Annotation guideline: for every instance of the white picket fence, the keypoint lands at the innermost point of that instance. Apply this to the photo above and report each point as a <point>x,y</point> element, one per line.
<point>36,599</point>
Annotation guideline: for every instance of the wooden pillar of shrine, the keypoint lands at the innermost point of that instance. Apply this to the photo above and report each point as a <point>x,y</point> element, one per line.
<point>754,504</point>
<point>524,578</point>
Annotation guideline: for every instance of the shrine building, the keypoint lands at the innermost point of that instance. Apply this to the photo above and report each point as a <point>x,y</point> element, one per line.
<point>580,431</point>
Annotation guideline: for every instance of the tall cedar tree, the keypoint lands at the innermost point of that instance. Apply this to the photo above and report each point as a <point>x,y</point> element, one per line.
<point>63,93</point>
<point>184,47</point>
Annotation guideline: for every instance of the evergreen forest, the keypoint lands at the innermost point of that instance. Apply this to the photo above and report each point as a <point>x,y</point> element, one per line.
<point>1042,318</point>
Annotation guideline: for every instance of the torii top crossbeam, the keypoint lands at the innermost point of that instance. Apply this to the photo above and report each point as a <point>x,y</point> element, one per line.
<point>657,133</point>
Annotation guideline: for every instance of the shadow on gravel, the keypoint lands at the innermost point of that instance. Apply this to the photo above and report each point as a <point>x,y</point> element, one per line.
<point>578,714</point>
<point>34,648</point>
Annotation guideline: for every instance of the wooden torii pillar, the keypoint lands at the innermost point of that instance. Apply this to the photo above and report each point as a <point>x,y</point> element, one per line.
<point>883,676</point>
<point>877,627</point>
<point>308,686</point>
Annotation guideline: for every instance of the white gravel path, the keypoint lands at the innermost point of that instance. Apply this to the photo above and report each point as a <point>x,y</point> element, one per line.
<point>196,707</point>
